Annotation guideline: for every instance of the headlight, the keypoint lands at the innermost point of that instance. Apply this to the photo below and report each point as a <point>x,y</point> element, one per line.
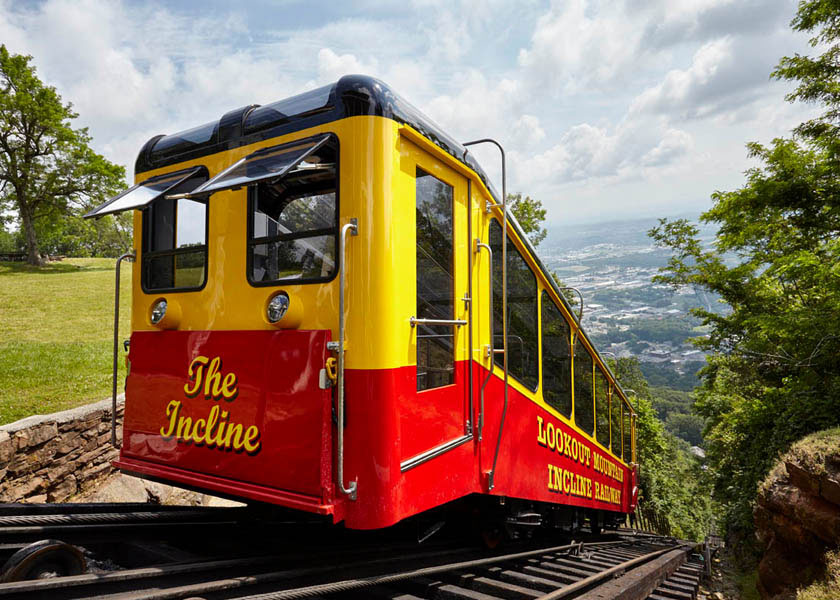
<point>158,311</point>
<point>277,307</point>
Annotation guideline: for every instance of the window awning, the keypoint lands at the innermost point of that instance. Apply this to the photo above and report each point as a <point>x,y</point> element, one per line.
<point>266,164</point>
<point>142,194</point>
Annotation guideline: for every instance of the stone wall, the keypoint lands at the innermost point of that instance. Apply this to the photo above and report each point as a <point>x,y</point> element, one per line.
<point>797,515</point>
<point>49,458</point>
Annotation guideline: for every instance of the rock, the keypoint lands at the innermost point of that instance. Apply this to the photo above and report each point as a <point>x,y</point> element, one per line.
<point>7,447</point>
<point>797,515</point>
<point>42,434</point>
<point>23,490</point>
<point>63,490</point>
<point>39,499</point>
<point>69,442</point>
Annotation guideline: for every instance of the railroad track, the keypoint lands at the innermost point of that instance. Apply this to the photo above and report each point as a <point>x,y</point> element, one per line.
<point>566,571</point>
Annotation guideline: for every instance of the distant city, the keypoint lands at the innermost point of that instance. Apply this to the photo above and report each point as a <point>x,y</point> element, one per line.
<point>626,314</point>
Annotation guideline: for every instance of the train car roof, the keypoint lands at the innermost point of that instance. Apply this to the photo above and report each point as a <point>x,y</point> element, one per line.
<point>350,96</point>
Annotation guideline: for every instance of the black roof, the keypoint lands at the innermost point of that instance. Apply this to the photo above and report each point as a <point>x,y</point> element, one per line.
<point>350,96</point>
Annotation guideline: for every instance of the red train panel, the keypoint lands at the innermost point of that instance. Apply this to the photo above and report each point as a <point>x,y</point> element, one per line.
<point>243,413</point>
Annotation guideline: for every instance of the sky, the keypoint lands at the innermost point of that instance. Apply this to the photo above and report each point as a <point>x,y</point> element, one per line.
<point>606,109</point>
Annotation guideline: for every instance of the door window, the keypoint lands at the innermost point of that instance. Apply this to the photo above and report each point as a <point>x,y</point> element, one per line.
<point>435,282</point>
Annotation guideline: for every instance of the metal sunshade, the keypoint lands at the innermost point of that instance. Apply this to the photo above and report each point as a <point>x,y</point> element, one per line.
<point>142,194</point>
<point>268,163</point>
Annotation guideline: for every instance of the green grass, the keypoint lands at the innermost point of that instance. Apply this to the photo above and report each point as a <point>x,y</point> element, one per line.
<point>56,328</point>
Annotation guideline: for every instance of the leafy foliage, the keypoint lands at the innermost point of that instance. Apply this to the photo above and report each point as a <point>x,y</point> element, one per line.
<point>773,376</point>
<point>530,214</point>
<point>47,168</point>
<point>670,478</point>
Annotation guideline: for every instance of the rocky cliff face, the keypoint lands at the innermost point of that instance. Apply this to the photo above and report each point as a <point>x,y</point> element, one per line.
<point>797,515</point>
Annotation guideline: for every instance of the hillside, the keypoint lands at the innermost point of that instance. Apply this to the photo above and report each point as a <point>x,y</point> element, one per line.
<point>56,327</point>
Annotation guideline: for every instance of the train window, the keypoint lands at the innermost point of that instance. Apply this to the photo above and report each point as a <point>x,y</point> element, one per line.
<point>615,420</point>
<point>522,310</point>
<point>556,358</point>
<point>293,223</point>
<point>175,243</point>
<point>584,417</point>
<point>602,408</point>
<point>435,282</point>
<point>626,434</point>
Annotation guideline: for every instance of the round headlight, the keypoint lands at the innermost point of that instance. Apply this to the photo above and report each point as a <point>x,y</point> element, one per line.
<point>277,307</point>
<point>158,311</point>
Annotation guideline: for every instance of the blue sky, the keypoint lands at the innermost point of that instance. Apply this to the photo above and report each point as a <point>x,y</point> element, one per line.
<point>626,108</point>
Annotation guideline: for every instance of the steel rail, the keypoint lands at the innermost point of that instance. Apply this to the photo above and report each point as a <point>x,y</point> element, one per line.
<point>375,580</point>
<point>567,591</point>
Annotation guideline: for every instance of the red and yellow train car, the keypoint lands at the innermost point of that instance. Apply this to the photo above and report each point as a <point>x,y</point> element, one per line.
<point>317,323</point>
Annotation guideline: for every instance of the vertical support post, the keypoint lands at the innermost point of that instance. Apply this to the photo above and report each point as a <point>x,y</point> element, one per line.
<point>353,227</point>
<point>129,256</point>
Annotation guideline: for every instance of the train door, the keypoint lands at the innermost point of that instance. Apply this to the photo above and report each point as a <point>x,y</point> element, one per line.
<point>436,418</point>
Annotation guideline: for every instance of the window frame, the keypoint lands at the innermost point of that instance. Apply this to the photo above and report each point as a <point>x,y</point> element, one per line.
<point>601,375</point>
<point>545,297</point>
<point>500,330</point>
<point>418,168</point>
<point>149,254</point>
<point>249,235</point>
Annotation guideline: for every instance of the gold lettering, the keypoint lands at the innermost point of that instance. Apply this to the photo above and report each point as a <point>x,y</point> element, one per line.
<point>251,442</point>
<point>195,373</point>
<point>550,433</point>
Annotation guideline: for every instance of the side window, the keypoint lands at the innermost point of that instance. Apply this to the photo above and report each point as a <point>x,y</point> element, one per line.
<point>556,358</point>
<point>615,419</point>
<point>522,311</point>
<point>435,282</point>
<point>626,435</point>
<point>293,222</point>
<point>584,417</point>
<point>602,408</point>
<point>175,243</point>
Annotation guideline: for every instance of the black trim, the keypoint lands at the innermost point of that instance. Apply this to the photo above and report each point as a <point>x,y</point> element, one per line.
<point>350,96</point>
<point>251,241</point>
<point>146,255</point>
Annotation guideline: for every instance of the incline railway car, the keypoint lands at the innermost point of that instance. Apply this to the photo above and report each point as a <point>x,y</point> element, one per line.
<point>317,323</point>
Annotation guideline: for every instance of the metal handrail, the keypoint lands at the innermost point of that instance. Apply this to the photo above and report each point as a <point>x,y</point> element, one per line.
<point>580,311</point>
<point>350,491</point>
<point>129,256</point>
<point>492,351</point>
<point>456,322</point>
<point>492,473</point>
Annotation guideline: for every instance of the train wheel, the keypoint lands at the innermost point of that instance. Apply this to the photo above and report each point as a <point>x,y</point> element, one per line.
<point>493,536</point>
<point>43,560</point>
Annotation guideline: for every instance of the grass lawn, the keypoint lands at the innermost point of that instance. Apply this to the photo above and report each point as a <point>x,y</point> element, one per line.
<point>56,328</point>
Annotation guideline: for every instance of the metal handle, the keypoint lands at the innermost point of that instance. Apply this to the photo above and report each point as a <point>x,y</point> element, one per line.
<point>353,226</point>
<point>456,322</point>
<point>580,311</point>
<point>491,351</point>
<point>129,256</point>
<point>492,474</point>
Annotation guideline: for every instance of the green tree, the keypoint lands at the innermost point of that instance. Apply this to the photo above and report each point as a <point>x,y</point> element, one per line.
<point>774,372</point>
<point>817,76</point>
<point>671,480</point>
<point>530,214</point>
<point>47,167</point>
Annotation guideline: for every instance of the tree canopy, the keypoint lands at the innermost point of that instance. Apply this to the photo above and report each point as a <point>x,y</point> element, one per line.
<point>772,376</point>
<point>47,169</point>
<point>530,214</point>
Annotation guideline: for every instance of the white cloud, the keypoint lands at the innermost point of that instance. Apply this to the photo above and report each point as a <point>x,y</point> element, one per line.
<point>593,100</point>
